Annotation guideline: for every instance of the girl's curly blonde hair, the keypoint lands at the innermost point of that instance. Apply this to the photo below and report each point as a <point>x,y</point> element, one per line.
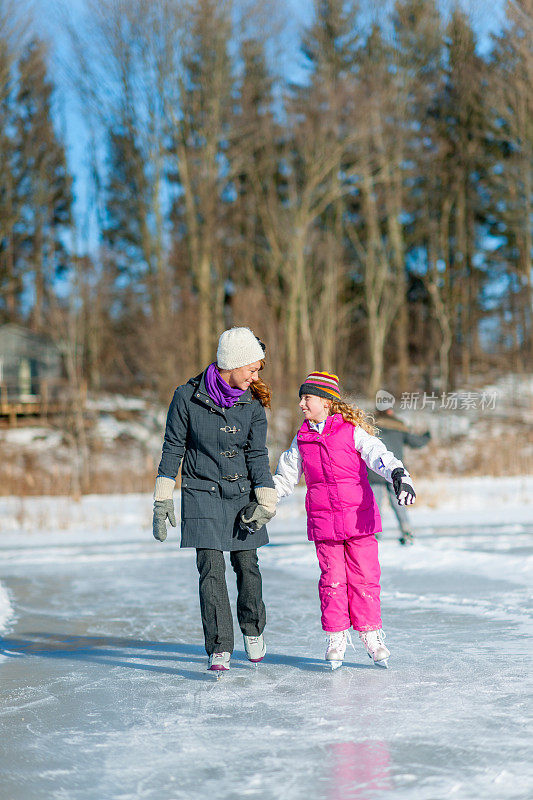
<point>355,416</point>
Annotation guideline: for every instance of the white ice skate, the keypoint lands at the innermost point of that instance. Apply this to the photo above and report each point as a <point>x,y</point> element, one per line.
<point>219,663</point>
<point>375,647</point>
<point>255,647</point>
<point>336,648</point>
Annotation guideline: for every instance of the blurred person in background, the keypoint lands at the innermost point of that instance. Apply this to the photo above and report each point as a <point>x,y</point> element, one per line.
<point>394,434</point>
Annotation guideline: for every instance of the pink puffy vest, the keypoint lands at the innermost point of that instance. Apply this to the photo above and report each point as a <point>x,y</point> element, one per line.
<point>339,502</point>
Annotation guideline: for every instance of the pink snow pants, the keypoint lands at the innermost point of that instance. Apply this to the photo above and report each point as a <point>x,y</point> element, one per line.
<point>349,584</point>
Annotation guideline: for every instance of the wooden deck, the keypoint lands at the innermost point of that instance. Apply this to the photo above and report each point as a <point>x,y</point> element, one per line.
<point>53,398</point>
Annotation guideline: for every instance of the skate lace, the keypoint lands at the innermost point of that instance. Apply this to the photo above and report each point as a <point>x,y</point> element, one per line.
<point>339,638</point>
<point>335,639</point>
<point>252,639</point>
<point>380,635</point>
<point>369,640</point>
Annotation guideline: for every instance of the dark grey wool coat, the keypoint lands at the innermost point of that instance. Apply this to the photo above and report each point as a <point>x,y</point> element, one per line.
<point>224,458</point>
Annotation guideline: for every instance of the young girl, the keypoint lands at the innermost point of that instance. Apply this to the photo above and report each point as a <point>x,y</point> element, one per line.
<point>332,448</point>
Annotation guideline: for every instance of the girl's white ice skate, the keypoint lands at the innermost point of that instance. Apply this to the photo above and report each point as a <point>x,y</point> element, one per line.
<point>375,647</point>
<point>336,648</point>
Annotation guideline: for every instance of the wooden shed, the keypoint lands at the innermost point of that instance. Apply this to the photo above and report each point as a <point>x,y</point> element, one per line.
<point>31,371</point>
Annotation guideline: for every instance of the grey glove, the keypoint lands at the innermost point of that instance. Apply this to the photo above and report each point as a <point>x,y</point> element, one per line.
<point>257,514</point>
<point>162,510</point>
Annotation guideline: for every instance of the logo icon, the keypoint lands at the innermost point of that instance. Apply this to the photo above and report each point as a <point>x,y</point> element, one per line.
<point>384,400</point>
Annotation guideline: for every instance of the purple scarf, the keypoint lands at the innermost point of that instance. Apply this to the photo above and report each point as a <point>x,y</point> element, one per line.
<point>218,390</point>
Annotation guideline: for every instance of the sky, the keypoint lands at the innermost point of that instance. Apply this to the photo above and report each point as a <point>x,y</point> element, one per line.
<point>486,16</point>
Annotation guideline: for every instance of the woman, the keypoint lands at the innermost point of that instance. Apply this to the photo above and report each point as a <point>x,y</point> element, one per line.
<point>217,424</point>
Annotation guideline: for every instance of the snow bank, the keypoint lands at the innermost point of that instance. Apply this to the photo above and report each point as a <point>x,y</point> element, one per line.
<point>6,612</point>
<point>115,402</point>
<point>108,428</point>
<point>37,438</point>
<point>491,500</point>
<point>128,516</point>
<point>5,608</point>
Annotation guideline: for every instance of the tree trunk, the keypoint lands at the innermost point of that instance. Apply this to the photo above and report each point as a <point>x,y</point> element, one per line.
<point>204,310</point>
<point>300,279</point>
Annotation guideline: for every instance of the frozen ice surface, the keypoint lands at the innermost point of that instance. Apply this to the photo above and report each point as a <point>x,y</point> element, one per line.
<point>105,694</point>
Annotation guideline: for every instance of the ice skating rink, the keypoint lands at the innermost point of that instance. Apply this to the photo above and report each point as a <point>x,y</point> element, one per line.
<point>104,693</point>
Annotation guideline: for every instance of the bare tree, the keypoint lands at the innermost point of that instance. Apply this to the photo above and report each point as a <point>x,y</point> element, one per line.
<point>197,103</point>
<point>121,71</point>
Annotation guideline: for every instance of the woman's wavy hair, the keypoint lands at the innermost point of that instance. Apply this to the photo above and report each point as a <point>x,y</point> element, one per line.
<point>355,416</point>
<point>260,390</point>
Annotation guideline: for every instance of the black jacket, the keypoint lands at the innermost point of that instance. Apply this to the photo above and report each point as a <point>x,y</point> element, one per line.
<point>224,458</point>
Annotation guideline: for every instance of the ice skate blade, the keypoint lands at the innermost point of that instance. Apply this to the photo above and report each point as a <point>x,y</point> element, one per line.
<point>335,664</point>
<point>216,673</point>
<point>383,663</point>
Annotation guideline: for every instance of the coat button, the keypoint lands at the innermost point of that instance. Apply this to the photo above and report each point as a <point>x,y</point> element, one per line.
<point>212,488</point>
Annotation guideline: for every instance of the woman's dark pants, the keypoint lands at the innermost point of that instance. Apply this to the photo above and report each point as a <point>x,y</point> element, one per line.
<point>214,601</point>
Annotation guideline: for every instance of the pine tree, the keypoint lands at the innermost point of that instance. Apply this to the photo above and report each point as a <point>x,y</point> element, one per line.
<point>11,44</point>
<point>128,208</point>
<point>454,206</point>
<point>254,157</point>
<point>329,46</point>
<point>44,184</point>
<point>136,229</point>
<point>419,60</point>
<point>462,127</point>
<point>511,188</point>
<point>10,282</point>
<point>370,218</point>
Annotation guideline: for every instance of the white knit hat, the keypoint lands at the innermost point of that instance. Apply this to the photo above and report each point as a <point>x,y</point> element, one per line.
<point>238,347</point>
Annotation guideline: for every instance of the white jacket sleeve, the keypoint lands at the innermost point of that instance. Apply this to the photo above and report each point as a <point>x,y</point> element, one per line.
<point>375,454</point>
<point>289,470</point>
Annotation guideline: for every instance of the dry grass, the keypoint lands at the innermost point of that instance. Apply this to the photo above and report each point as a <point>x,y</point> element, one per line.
<point>40,482</point>
<point>490,449</point>
<point>492,452</point>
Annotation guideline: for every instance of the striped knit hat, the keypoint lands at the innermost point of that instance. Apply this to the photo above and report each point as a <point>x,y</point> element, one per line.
<point>322,384</point>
